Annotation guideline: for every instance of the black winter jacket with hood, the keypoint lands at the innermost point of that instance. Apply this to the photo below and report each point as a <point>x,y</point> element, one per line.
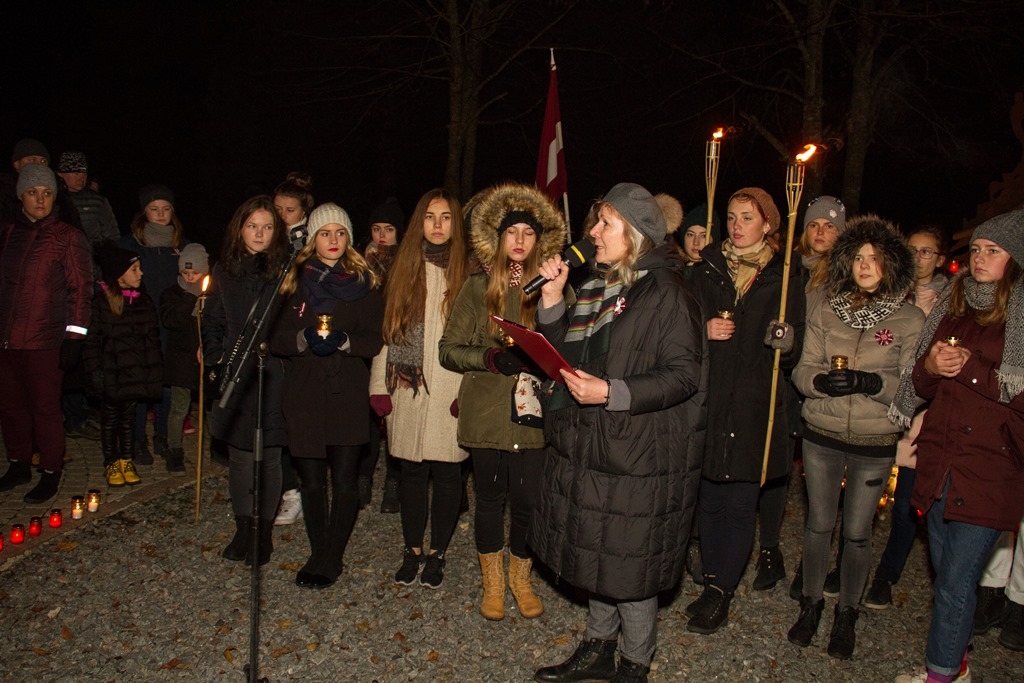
<point>123,351</point>
<point>619,487</point>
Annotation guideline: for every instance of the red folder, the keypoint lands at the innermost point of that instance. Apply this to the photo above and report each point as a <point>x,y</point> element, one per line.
<point>537,347</point>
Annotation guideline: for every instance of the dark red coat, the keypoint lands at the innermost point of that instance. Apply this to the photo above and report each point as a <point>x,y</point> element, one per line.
<point>45,282</point>
<point>969,436</point>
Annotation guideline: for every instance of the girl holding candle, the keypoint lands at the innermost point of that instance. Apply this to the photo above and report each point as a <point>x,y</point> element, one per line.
<point>863,316</point>
<point>243,282</point>
<point>970,452</point>
<point>409,386</point>
<point>293,200</point>
<point>513,228</point>
<point>742,275</point>
<point>326,388</point>
<point>121,355</point>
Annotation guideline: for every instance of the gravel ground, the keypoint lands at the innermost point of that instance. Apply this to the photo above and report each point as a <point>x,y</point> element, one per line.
<point>143,595</point>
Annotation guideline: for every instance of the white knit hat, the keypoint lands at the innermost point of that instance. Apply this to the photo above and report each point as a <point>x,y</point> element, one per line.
<point>326,214</point>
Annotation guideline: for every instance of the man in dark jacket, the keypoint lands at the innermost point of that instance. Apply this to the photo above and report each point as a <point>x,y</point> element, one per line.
<point>45,289</point>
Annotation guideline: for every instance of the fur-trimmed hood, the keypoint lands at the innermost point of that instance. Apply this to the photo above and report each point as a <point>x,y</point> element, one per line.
<point>486,209</point>
<point>899,271</point>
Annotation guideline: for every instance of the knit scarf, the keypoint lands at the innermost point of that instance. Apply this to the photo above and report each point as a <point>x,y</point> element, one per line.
<point>157,235</point>
<point>866,316</point>
<point>515,273</point>
<point>980,297</point>
<point>193,288</point>
<point>325,285</point>
<point>405,361</point>
<point>744,269</point>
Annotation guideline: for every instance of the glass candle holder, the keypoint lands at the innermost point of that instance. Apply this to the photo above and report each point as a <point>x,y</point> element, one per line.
<point>93,500</point>
<point>17,534</point>
<point>954,341</point>
<point>55,518</point>
<point>323,325</point>
<point>77,507</point>
<point>1,541</point>
<point>35,526</point>
<point>726,314</point>
<point>840,362</point>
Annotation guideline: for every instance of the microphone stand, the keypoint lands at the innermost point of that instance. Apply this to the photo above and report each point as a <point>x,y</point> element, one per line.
<point>246,342</point>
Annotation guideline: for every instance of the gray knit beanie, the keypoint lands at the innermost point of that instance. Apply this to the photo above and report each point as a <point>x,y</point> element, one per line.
<point>640,210</point>
<point>328,213</point>
<point>36,175</point>
<point>193,255</point>
<point>829,208</point>
<point>1006,230</point>
<point>154,192</point>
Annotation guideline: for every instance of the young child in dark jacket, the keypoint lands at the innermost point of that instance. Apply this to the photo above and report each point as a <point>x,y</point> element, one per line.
<point>122,356</point>
<point>178,309</point>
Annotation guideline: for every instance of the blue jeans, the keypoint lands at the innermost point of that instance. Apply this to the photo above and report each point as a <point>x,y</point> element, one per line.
<point>866,476</point>
<point>959,554</point>
<point>903,530</point>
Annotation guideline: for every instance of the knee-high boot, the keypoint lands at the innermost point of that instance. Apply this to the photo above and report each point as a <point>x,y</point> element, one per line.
<point>344,510</point>
<point>314,513</point>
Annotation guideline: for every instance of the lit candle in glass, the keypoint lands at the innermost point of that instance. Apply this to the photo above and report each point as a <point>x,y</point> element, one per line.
<point>93,501</point>
<point>725,314</point>
<point>1,541</point>
<point>55,518</point>
<point>18,534</point>
<point>35,526</point>
<point>77,507</point>
<point>840,362</point>
<point>324,327</point>
<point>953,341</point>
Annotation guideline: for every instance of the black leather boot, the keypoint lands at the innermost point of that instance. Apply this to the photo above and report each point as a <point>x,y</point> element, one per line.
<point>265,529</point>
<point>238,548</point>
<point>18,473</point>
<point>843,638</point>
<point>593,660</point>
<point>715,613</point>
<point>770,569</point>
<point>807,623</point>
<point>45,489</point>
<point>630,672</point>
<point>314,514</point>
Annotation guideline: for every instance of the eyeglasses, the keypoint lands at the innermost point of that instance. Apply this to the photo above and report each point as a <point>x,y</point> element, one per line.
<point>925,253</point>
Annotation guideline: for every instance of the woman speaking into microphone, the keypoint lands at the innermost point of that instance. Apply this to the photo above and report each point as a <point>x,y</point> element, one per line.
<point>625,434</point>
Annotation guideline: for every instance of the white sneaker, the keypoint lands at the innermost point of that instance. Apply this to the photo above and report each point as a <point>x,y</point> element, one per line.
<point>291,508</point>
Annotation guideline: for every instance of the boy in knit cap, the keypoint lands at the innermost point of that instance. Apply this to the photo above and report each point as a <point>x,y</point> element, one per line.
<point>179,306</point>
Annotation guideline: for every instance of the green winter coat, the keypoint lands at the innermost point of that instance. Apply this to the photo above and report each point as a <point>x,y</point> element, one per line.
<point>485,398</point>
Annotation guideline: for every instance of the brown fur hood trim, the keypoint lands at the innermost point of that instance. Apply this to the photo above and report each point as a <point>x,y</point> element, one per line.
<point>486,209</point>
<point>899,271</point>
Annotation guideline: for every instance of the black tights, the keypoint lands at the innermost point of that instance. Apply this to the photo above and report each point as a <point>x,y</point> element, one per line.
<point>329,523</point>
<point>117,430</point>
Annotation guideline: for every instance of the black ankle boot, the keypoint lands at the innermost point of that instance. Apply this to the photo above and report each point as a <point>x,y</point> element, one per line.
<point>630,672</point>
<point>266,532</point>
<point>18,473</point>
<point>807,623</point>
<point>238,548</point>
<point>796,589</point>
<point>715,614</point>
<point>988,611</point>
<point>844,634</point>
<point>45,489</point>
<point>593,660</point>
<point>770,569</point>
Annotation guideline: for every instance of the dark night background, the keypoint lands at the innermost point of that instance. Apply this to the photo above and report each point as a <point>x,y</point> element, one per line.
<point>220,100</point>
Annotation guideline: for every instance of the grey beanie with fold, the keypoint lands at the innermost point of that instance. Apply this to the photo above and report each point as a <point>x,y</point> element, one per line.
<point>1006,230</point>
<point>640,210</point>
<point>35,175</point>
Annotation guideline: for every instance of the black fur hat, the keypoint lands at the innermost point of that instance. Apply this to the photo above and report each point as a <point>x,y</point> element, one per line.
<point>899,269</point>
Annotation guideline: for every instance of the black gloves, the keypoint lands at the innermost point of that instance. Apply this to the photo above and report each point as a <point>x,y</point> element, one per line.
<point>502,362</point>
<point>324,346</point>
<point>70,353</point>
<point>847,382</point>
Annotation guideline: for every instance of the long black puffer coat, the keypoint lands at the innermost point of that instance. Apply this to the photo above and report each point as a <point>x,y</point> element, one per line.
<point>741,370</point>
<point>124,348</point>
<point>619,488</point>
<point>230,298</point>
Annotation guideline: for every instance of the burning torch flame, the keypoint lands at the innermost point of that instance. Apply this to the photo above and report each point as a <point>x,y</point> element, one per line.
<point>206,283</point>
<point>718,134</point>
<point>808,152</point>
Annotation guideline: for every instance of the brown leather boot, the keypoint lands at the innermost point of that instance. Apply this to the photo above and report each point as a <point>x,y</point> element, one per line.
<point>530,605</point>
<point>492,568</point>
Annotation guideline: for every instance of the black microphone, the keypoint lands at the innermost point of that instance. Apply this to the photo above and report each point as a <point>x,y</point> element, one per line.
<point>575,255</point>
<point>297,236</point>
